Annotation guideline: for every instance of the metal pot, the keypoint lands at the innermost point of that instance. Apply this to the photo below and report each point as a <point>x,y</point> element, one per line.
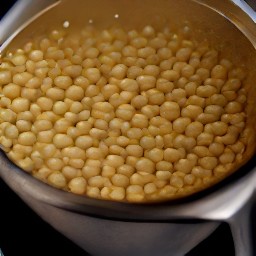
<point>168,228</point>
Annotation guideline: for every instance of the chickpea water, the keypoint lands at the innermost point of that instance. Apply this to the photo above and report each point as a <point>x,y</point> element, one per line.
<point>137,115</point>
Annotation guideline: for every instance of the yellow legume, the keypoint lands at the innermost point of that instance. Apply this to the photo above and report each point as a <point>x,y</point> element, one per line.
<point>55,93</point>
<point>120,180</point>
<point>125,112</point>
<point>141,115</point>
<point>57,179</point>
<point>145,165</point>
<point>27,138</point>
<point>146,82</point>
<point>12,91</point>
<point>170,110</point>
<point>11,132</point>
<point>78,185</point>
<point>208,162</point>
<point>62,140</point>
<point>134,150</point>
<point>155,154</point>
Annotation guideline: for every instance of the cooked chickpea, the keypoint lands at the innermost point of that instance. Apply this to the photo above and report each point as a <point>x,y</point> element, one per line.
<point>45,136</point>
<point>183,54</point>
<point>27,138</point>
<point>125,112</point>
<point>194,129</point>
<point>227,157</point>
<point>5,77</point>
<point>74,92</point>
<point>156,155</point>
<point>45,103</point>
<point>62,140</point>
<point>139,121</point>
<point>117,193</point>
<point>36,55</point>
<point>119,71</point>
<point>7,115</point>
<point>19,59</point>
<point>89,171</point>
<point>120,180</point>
<point>233,107</point>
<point>42,125</point>
<point>208,162</point>
<point>139,115</point>
<point>176,181</point>
<point>57,179</point>
<point>78,185</point>
<point>180,124</point>
<point>94,153</point>
<point>170,110</point>
<point>69,172</point>
<point>204,139</point>
<point>12,91</point>
<point>63,82</point>
<point>145,165</point>
<point>11,132</point>
<point>146,82</point>
<point>21,78</point>
<point>155,97</point>
<point>147,142</point>
<point>183,166</point>
<point>150,110</point>
<point>55,94</point>
<point>20,105</point>
<point>192,112</point>
<point>219,72</point>
<point>148,31</point>
<point>172,155</point>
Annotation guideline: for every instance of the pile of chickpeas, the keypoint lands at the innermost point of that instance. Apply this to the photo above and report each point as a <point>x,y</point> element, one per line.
<point>138,115</point>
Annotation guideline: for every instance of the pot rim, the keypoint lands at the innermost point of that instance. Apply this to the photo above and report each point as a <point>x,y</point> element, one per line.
<point>218,202</point>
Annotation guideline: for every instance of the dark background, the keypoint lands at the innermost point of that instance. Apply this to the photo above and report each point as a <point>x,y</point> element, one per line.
<point>22,232</point>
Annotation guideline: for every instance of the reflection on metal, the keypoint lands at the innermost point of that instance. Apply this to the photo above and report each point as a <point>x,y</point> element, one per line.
<point>248,6</point>
<point>252,3</point>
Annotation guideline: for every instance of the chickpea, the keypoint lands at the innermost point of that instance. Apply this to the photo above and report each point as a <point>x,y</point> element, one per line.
<point>156,155</point>
<point>62,140</point>
<point>20,105</point>
<point>63,82</point>
<point>27,138</point>
<point>11,132</point>
<point>170,110</point>
<point>194,129</point>
<point>57,179</point>
<point>125,112</point>
<point>133,116</point>
<point>74,92</point>
<point>12,91</point>
<point>145,165</point>
<point>78,185</point>
<point>146,82</point>
<point>180,124</point>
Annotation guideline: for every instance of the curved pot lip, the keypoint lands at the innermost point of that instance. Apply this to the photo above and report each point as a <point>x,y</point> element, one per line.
<point>219,202</point>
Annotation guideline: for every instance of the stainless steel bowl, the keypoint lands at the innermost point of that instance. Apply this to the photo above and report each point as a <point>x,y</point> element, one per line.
<point>115,228</point>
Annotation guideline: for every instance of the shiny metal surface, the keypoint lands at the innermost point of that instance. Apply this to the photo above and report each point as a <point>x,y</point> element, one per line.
<point>230,201</point>
<point>20,13</point>
<point>248,6</point>
<point>251,3</point>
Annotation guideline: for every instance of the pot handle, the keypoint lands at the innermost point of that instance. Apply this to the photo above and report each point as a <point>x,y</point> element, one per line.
<point>19,13</point>
<point>242,231</point>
